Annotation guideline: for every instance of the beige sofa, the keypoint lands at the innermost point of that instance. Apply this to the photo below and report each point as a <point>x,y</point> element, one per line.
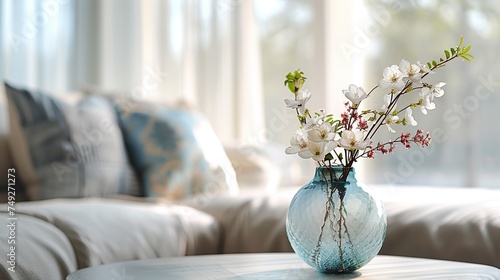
<point>55,237</point>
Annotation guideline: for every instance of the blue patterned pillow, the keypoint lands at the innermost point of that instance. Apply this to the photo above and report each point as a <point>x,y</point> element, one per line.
<point>67,150</point>
<point>176,153</point>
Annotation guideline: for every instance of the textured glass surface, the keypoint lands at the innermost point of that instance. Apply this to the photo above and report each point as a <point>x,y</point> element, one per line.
<point>331,233</point>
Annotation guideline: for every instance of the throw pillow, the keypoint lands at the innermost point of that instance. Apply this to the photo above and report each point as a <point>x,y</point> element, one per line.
<point>64,149</point>
<point>176,153</point>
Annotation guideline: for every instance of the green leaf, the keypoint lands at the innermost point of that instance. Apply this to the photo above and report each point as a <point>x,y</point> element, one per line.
<point>293,78</point>
<point>434,63</point>
<point>447,54</point>
<point>465,50</point>
<point>429,65</point>
<point>453,51</point>
<point>461,42</point>
<point>328,156</point>
<point>467,57</point>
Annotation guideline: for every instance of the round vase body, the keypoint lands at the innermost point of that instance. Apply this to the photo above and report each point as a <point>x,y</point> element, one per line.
<point>334,225</point>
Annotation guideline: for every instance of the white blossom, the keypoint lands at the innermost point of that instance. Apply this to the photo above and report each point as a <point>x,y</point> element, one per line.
<point>410,71</point>
<point>436,90</point>
<point>298,143</point>
<point>318,150</point>
<point>300,101</point>
<point>393,78</point>
<point>428,95</point>
<point>427,104</point>
<point>391,120</point>
<point>355,94</point>
<point>409,118</point>
<point>321,133</point>
<point>353,140</point>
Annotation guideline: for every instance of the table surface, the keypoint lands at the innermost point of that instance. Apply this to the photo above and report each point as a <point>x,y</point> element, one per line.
<point>280,266</point>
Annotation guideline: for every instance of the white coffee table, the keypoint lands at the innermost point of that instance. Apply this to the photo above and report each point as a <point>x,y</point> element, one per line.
<point>279,266</point>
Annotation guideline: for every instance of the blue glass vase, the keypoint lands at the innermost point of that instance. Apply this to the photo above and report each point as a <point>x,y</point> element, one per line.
<point>336,225</point>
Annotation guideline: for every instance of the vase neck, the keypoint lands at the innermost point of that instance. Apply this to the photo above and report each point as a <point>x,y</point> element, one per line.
<point>336,174</point>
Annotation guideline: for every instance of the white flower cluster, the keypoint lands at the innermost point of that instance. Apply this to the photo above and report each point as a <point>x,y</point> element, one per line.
<point>399,78</point>
<point>320,136</point>
<point>345,139</point>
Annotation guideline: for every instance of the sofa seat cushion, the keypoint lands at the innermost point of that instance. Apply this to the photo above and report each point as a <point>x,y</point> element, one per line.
<point>42,251</point>
<point>108,230</point>
<point>443,223</point>
<point>253,221</point>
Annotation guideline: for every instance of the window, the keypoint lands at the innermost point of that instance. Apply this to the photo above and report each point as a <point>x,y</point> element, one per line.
<point>464,127</point>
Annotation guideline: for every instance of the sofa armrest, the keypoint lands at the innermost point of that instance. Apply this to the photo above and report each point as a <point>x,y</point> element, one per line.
<point>42,251</point>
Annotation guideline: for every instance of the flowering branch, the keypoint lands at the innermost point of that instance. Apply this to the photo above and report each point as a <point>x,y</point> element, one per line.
<point>343,141</point>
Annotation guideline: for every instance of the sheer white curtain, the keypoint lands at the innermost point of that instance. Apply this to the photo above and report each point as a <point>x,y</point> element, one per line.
<point>38,43</point>
<point>204,52</point>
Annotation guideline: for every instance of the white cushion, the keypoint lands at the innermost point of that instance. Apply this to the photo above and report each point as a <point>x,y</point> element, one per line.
<point>443,223</point>
<point>108,230</point>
